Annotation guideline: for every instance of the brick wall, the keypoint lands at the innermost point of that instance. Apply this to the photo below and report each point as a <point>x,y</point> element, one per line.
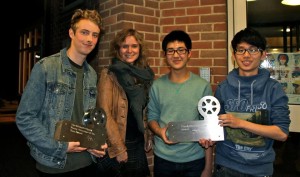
<point>203,20</point>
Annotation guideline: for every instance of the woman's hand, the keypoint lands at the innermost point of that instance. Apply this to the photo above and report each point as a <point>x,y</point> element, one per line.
<point>122,158</point>
<point>98,153</point>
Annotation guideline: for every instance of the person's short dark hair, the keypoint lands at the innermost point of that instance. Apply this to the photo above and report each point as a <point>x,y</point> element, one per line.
<point>286,57</point>
<point>177,35</point>
<point>249,36</point>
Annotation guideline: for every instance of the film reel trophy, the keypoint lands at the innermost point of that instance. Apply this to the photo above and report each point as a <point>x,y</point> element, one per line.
<point>91,133</point>
<point>187,131</point>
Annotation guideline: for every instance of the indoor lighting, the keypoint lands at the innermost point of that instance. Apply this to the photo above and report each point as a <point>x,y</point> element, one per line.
<point>287,30</point>
<point>291,2</point>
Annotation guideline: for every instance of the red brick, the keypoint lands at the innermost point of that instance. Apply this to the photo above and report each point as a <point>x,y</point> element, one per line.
<point>202,45</point>
<point>214,36</point>
<point>167,5</point>
<point>219,71</point>
<point>173,12</point>
<point>198,10</point>
<point>220,27</point>
<point>220,44</point>
<point>167,21</point>
<point>187,20</point>
<point>151,20</point>
<point>212,2</point>
<point>199,27</point>
<point>144,11</point>
<point>220,62</point>
<point>214,53</point>
<point>131,17</point>
<point>220,9</point>
<point>189,3</point>
<point>213,18</point>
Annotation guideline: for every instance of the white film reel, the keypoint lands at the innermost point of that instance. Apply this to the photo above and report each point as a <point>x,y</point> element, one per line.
<point>208,106</point>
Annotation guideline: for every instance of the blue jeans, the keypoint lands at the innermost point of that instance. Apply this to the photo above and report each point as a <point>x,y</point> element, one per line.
<point>221,171</point>
<point>164,168</point>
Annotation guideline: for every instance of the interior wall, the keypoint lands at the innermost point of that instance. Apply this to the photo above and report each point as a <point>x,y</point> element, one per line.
<point>205,21</point>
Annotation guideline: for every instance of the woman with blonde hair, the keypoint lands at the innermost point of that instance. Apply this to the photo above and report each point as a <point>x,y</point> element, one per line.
<point>123,94</point>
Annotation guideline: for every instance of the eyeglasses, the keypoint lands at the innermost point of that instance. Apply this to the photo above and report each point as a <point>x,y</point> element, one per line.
<point>180,51</point>
<point>251,51</point>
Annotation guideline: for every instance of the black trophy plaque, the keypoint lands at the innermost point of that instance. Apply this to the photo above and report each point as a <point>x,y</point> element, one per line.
<point>91,134</point>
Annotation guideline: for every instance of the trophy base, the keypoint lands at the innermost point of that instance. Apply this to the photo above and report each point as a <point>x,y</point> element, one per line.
<point>91,138</point>
<point>188,131</point>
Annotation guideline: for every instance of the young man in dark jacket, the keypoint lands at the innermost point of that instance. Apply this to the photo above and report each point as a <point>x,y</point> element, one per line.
<point>254,112</point>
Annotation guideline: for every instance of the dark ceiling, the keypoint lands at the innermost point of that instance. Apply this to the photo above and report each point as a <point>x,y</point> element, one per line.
<point>269,16</point>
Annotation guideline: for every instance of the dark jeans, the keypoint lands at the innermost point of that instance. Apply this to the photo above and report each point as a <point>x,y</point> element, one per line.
<point>89,171</point>
<point>164,168</point>
<point>108,167</point>
<point>136,166</point>
<point>221,171</point>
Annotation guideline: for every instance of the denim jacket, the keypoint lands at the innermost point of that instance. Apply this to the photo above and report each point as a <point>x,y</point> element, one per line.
<point>49,97</point>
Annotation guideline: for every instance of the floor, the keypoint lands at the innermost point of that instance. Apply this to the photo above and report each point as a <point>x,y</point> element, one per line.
<point>287,163</point>
<point>15,160</point>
